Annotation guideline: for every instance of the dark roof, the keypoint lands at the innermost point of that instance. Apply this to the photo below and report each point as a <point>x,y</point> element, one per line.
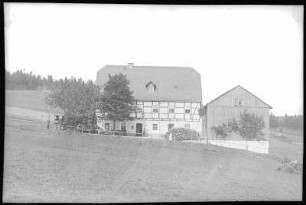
<point>233,89</point>
<point>172,83</point>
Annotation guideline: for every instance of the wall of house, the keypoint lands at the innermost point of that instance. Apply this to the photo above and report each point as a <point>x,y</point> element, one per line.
<point>159,115</point>
<point>227,108</point>
<point>187,111</point>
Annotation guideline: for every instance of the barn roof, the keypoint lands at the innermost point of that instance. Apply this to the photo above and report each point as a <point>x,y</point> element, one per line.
<point>172,83</point>
<point>234,89</point>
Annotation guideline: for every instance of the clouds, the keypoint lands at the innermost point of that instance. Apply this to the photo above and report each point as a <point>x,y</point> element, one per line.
<point>259,47</point>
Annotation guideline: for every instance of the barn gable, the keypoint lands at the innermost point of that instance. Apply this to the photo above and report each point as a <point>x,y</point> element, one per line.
<point>238,96</point>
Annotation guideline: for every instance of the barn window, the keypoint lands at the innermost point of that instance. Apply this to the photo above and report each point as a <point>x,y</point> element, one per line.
<point>238,102</point>
<point>155,126</point>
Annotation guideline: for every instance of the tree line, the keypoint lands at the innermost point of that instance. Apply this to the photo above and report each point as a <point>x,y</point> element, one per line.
<point>289,122</point>
<point>22,80</point>
<point>79,97</point>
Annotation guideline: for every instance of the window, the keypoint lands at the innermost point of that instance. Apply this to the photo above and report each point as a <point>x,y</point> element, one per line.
<point>151,88</point>
<point>187,125</point>
<point>107,126</point>
<point>187,110</point>
<point>139,108</point>
<point>238,102</point>
<point>123,126</point>
<point>155,110</point>
<point>155,126</point>
<point>171,110</point>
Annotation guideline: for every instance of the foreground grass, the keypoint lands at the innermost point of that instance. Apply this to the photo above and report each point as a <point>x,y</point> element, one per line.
<point>46,166</point>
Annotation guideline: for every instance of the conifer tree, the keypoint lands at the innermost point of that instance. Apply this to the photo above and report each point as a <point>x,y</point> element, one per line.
<point>116,102</point>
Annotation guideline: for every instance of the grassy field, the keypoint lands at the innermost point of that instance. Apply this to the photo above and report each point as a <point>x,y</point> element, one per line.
<point>27,99</point>
<point>46,166</point>
<point>50,166</point>
<point>289,145</point>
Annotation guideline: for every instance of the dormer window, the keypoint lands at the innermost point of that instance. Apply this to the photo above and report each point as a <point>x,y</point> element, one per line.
<point>151,88</point>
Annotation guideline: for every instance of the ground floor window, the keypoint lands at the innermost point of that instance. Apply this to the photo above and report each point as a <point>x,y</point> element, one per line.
<point>155,126</point>
<point>107,126</point>
<point>123,126</point>
<point>187,125</point>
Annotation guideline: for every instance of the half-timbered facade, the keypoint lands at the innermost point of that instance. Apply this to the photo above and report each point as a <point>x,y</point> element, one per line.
<point>166,97</point>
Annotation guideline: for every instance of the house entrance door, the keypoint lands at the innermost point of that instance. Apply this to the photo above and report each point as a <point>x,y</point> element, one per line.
<point>138,129</point>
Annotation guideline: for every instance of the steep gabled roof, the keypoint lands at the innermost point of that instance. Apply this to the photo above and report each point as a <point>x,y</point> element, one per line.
<point>172,83</point>
<point>234,89</point>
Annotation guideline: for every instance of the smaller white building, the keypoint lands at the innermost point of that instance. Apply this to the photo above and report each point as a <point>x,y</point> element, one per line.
<point>166,97</point>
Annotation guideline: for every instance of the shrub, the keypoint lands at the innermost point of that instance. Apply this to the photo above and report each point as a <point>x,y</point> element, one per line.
<point>250,126</point>
<point>225,129</point>
<point>220,130</point>
<point>184,134</point>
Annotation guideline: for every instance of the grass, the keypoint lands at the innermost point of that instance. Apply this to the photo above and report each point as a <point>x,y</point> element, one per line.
<point>46,166</point>
<point>28,99</point>
<point>289,145</point>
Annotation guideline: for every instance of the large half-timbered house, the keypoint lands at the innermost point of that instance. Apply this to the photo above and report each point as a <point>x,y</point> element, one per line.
<point>165,97</point>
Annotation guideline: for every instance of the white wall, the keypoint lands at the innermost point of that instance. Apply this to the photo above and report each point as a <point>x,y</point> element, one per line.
<point>163,126</point>
<point>253,146</point>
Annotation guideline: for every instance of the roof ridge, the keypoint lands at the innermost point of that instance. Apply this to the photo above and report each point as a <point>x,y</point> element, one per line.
<point>150,66</point>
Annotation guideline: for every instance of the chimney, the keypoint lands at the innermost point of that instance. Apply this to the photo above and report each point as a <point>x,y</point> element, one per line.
<point>130,65</point>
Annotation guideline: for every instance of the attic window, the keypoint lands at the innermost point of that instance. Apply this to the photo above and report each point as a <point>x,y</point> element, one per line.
<point>238,102</point>
<point>151,88</point>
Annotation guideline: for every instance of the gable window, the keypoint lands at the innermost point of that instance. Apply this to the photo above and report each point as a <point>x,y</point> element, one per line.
<point>155,126</point>
<point>238,102</point>
<point>151,88</point>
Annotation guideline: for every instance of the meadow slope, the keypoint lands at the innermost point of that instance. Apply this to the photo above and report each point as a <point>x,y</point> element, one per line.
<point>47,166</point>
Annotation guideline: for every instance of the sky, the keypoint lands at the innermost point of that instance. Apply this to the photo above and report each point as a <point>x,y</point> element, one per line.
<point>257,47</point>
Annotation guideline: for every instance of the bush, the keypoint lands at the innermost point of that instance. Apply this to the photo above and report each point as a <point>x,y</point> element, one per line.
<point>184,134</point>
<point>225,129</point>
<point>221,130</point>
<point>249,127</point>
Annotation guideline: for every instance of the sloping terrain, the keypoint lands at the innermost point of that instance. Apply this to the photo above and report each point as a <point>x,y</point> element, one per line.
<point>48,166</point>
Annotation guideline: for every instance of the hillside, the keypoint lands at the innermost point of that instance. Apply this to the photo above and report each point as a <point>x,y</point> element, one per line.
<point>28,99</point>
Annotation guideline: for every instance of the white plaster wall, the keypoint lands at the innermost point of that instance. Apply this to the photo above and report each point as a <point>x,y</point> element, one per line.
<point>253,146</point>
<point>163,127</point>
<point>148,126</point>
